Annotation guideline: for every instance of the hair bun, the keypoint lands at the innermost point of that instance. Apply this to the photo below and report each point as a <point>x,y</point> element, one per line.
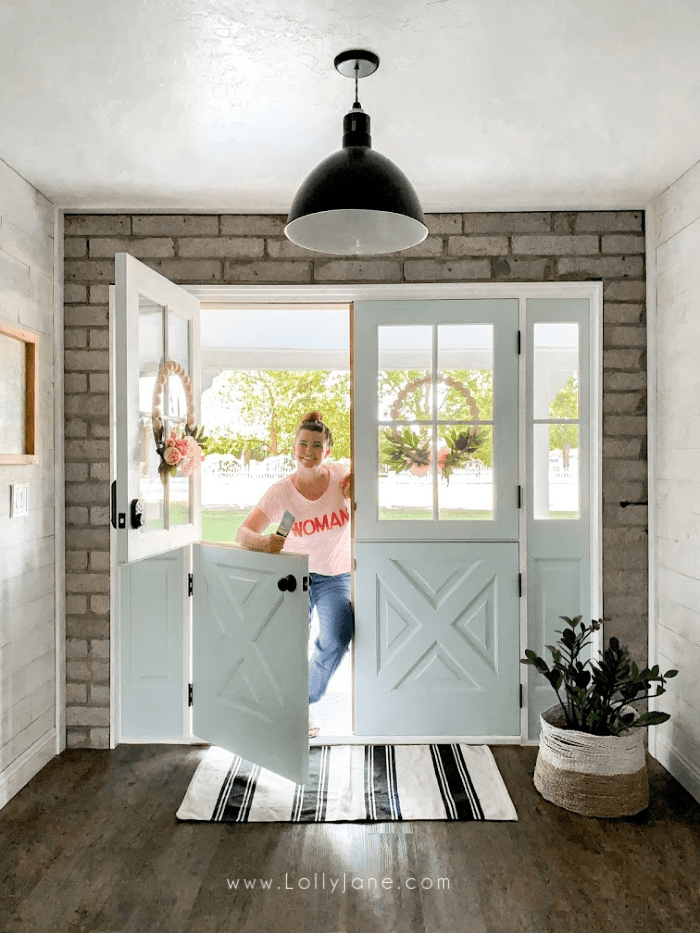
<point>314,422</point>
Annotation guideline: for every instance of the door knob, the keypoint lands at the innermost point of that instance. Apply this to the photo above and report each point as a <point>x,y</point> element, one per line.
<point>287,583</point>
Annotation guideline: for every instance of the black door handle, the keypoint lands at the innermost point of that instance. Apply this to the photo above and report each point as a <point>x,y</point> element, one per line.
<point>288,583</point>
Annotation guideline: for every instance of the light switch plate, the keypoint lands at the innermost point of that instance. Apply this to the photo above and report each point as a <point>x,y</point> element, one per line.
<point>19,499</point>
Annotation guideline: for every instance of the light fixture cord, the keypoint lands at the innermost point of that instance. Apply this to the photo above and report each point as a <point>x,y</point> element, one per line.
<point>357,69</point>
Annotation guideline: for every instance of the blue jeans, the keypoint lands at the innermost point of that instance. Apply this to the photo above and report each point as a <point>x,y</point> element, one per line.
<point>331,598</point>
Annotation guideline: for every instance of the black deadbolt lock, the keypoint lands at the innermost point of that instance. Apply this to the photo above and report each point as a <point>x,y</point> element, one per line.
<point>138,513</point>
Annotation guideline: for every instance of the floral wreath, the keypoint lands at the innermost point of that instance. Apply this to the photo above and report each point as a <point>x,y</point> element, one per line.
<point>406,450</point>
<point>177,451</point>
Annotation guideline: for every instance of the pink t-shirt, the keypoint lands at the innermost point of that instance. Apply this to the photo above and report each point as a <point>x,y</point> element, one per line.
<point>321,527</point>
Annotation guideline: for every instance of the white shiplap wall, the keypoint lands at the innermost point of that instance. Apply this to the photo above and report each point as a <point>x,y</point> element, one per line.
<point>27,543</point>
<point>676,489</point>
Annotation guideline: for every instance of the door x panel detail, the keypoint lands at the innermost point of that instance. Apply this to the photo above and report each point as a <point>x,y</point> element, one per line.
<point>444,645</point>
<point>250,666</point>
<point>434,581</point>
<point>233,597</point>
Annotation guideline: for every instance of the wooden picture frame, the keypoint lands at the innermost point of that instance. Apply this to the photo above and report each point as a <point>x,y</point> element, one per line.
<point>26,394</point>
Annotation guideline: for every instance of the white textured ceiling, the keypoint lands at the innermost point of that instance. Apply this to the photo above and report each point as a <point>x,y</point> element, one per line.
<point>228,104</point>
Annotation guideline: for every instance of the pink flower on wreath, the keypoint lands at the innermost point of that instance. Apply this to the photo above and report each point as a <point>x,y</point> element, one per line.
<point>193,455</point>
<point>172,456</point>
<point>419,469</point>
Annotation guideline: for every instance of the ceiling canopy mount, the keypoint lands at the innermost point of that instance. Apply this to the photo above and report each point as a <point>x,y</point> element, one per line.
<point>356,60</point>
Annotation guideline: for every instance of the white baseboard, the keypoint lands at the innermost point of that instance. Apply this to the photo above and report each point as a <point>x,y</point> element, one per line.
<point>21,771</point>
<point>685,771</point>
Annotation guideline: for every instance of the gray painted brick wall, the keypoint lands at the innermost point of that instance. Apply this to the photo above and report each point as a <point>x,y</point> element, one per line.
<point>546,246</point>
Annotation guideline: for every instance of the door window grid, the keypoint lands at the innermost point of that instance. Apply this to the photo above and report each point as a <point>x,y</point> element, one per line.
<point>180,489</point>
<point>556,440</point>
<point>168,503</point>
<point>151,340</point>
<point>430,433</point>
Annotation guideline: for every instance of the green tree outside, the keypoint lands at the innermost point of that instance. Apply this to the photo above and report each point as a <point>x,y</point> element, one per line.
<point>271,403</point>
<point>564,437</point>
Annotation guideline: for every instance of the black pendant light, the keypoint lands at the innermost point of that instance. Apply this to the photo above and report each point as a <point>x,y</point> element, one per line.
<point>356,202</point>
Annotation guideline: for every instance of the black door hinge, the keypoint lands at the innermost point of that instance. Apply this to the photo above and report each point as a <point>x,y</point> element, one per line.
<point>521,696</point>
<point>519,344</point>
<point>190,691</point>
<point>520,497</point>
<point>190,584</point>
<point>520,584</point>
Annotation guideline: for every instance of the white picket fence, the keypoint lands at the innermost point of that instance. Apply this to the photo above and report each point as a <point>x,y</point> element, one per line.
<point>227,466</point>
<point>229,483</point>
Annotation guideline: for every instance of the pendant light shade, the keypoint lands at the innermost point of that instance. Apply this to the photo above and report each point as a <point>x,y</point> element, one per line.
<point>356,202</point>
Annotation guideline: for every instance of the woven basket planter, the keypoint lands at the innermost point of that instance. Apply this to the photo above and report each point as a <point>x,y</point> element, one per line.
<point>593,775</point>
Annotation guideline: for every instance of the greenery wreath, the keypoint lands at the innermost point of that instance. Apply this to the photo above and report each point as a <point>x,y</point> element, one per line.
<point>407,450</point>
<point>183,450</point>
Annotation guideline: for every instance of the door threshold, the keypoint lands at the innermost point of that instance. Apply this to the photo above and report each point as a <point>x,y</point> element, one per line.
<point>353,739</point>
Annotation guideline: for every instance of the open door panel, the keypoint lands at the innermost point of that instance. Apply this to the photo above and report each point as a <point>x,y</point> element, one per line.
<point>248,618</point>
<point>250,666</point>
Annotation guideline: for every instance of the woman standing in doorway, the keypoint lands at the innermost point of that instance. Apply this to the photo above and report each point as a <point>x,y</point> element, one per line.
<point>318,495</point>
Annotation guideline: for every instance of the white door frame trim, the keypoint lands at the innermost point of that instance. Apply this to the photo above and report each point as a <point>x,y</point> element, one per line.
<point>650,213</point>
<point>59,487</point>
<point>223,296</point>
<point>522,515</point>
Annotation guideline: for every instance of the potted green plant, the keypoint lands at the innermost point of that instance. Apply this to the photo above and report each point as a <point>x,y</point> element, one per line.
<point>591,758</point>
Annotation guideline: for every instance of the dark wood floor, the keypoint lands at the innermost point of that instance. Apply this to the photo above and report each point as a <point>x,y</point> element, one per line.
<point>92,844</point>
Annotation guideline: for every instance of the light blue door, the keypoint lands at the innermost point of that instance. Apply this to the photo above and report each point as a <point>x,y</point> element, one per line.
<point>562,512</point>
<point>440,653</point>
<point>436,520</point>
<point>154,517</point>
<point>248,618</point>
<point>153,614</point>
<point>250,664</point>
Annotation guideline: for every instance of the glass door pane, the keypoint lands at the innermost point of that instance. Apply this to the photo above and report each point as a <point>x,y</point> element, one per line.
<point>435,402</point>
<point>151,347</point>
<point>556,420</point>
<point>179,402</point>
<point>436,386</point>
<point>465,387</point>
<point>405,410</point>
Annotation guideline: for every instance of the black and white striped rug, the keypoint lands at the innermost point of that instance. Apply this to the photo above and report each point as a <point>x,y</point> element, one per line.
<point>348,783</point>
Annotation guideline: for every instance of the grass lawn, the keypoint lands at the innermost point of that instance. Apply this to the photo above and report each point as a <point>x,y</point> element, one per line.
<point>219,526</point>
<point>397,515</point>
